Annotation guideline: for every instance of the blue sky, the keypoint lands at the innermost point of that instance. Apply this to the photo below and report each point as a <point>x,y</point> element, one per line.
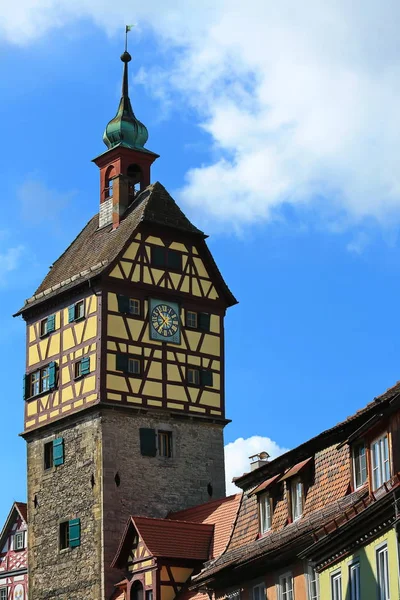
<point>279,136</point>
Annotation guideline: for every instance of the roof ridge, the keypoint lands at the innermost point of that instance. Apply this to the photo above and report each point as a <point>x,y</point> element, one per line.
<point>172,521</point>
<point>206,504</point>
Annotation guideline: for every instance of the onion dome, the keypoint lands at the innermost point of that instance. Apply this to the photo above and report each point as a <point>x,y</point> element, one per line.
<point>125,129</point>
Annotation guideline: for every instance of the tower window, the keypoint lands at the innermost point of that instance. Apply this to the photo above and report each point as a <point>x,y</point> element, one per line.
<point>131,365</point>
<point>203,377</point>
<point>109,188</point>
<point>82,367</point>
<point>70,534</point>
<point>41,381</point>
<point>47,325</point>
<point>3,593</point>
<point>134,306</point>
<point>163,258</point>
<point>198,320</point>
<point>54,453</point>
<point>76,311</point>
<point>134,366</point>
<point>164,443</point>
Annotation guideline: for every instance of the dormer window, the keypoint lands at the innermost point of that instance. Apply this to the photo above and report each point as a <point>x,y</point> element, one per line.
<point>359,465</point>
<point>265,512</point>
<point>380,462</point>
<point>296,498</point>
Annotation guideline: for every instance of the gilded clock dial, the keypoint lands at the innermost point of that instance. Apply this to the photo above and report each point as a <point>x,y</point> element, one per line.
<point>164,320</point>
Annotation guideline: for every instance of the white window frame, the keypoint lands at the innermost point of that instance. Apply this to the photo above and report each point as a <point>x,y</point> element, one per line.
<point>336,593</point>
<point>312,576</point>
<point>3,590</point>
<point>354,580</point>
<point>383,591</point>
<point>362,472</point>
<point>264,512</point>
<point>20,535</point>
<point>284,592</point>
<point>380,472</point>
<point>296,499</point>
<point>258,592</point>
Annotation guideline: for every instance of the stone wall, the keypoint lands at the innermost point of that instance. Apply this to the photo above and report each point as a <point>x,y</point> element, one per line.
<point>154,486</point>
<point>63,493</point>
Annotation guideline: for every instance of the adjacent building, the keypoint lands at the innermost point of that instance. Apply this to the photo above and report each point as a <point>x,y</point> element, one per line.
<point>13,555</point>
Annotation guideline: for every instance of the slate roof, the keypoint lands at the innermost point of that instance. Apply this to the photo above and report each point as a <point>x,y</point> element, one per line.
<point>221,513</point>
<point>94,249</point>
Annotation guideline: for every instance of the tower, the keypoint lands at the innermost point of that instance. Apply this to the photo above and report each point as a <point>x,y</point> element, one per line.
<point>124,382</point>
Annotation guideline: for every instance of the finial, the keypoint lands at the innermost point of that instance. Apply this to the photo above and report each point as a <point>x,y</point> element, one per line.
<point>125,129</point>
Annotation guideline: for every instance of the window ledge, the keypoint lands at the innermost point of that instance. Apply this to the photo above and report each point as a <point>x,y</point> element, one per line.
<point>40,395</point>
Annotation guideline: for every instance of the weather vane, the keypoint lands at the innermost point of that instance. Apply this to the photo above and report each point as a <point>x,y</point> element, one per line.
<point>127,30</point>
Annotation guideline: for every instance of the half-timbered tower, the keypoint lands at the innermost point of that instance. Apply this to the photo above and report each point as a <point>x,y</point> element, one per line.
<point>124,382</point>
<point>13,555</point>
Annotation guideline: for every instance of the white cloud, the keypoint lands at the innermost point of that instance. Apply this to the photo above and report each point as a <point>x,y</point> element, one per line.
<point>300,99</point>
<point>10,259</point>
<point>237,457</point>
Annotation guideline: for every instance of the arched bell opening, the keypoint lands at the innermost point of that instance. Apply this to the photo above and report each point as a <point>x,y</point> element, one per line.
<point>135,177</point>
<point>136,591</point>
<point>108,183</point>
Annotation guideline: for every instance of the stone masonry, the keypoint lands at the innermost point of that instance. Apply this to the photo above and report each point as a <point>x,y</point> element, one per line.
<point>103,481</point>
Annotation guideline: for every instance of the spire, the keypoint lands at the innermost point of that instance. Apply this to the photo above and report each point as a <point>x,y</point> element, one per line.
<point>125,129</point>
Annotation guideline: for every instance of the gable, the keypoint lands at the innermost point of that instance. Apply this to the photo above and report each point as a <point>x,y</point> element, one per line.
<point>196,276</point>
<point>139,556</point>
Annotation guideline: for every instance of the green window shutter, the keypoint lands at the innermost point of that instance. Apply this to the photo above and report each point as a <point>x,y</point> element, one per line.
<point>204,321</point>
<point>174,260</point>
<point>147,442</point>
<point>123,304</point>
<point>85,365</point>
<point>206,377</point>
<point>122,362</point>
<point>158,256</point>
<point>74,533</point>
<point>71,313</point>
<point>26,387</point>
<point>58,452</point>
<point>51,323</point>
<point>52,375</point>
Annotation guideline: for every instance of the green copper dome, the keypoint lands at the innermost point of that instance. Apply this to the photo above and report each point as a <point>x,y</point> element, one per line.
<point>125,129</point>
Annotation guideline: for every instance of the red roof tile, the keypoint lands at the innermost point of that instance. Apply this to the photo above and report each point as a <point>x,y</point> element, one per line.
<point>221,513</point>
<point>175,539</point>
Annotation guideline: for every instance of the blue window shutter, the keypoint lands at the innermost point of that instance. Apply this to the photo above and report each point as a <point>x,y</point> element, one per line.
<point>51,323</point>
<point>85,365</point>
<point>26,387</point>
<point>122,362</point>
<point>52,375</point>
<point>123,304</point>
<point>71,313</point>
<point>58,452</point>
<point>204,321</point>
<point>206,377</point>
<point>74,533</point>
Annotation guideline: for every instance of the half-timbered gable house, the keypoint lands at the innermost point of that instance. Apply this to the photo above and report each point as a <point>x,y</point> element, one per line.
<point>160,556</point>
<point>13,555</point>
<point>310,515</point>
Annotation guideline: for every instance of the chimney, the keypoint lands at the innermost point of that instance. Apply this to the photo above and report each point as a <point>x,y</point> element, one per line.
<point>258,460</point>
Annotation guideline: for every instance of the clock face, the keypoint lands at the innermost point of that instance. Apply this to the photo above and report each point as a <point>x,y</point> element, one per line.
<point>164,321</point>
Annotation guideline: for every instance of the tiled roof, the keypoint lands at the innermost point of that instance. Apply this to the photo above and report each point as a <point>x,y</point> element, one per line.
<point>296,469</point>
<point>94,249</point>
<point>274,544</point>
<point>175,539</point>
<point>221,513</point>
<point>339,433</point>
<point>265,485</point>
